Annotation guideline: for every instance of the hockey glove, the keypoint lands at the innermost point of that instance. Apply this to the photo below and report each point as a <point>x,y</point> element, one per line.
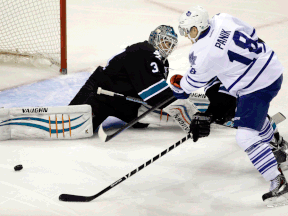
<point>200,125</point>
<point>178,92</point>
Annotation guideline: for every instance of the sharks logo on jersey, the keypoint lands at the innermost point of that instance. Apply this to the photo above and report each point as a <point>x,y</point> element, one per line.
<point>157,55</point>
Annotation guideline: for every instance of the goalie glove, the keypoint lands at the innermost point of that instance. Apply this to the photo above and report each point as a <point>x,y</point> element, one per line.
<point>200,125</point>
<point>178,92</point>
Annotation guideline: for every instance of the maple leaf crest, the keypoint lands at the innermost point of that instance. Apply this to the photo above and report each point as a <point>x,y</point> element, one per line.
<point>192,58</point>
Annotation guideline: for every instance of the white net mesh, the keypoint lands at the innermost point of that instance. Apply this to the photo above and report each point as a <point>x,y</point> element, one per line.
<point>30,30</point>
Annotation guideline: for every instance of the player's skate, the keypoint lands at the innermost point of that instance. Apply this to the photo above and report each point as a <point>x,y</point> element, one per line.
<point>278,194</point>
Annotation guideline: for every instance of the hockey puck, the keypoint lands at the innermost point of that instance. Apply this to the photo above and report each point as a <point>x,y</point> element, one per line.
<point>18,167</point>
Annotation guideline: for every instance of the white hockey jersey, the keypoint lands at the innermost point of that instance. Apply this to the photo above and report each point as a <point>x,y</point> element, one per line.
<point>230,50</point>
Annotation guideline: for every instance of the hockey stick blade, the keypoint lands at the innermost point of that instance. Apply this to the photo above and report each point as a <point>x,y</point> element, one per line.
<point>278,118</point>
<point>76,198</point>
<point>105,138</point>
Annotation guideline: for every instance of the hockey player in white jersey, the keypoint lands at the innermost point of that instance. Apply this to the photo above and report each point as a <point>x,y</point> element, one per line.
<point>228,48</point>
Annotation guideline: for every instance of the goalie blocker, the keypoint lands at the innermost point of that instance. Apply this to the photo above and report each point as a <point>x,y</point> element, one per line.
<point>67,122</point>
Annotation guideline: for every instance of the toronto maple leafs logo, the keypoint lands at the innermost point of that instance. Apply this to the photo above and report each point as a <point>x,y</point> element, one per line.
<point>188,13</point>
<point>192,58</point>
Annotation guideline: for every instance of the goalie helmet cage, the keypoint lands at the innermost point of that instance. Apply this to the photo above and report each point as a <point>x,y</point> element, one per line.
<point>34,31</point>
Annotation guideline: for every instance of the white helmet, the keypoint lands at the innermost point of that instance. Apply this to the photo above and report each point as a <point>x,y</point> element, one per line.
<point>164,34</point>
<point>195,16</point>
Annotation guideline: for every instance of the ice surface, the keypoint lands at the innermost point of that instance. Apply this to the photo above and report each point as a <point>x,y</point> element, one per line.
<point>210,177</point>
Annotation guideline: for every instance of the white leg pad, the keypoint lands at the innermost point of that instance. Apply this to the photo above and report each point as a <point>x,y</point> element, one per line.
<point>157,117</point>
<point>5,131</point>
<point>182,112</point>
<point>67,122</point>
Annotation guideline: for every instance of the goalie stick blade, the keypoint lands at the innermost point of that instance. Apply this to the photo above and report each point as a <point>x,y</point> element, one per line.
<point>278,117</point>
<point>102,135</point>
<point>74,198</point>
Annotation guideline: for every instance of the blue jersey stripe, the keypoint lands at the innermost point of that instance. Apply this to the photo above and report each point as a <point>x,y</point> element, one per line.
<point>261,71</point>
<point>263,46</point>
<point>254,60</point>
<point>264,131</point>
<point>212,82</point>
<point>191,84</point>
<point>196,81</point>
<point>253,32</point>
<point>152,90</point>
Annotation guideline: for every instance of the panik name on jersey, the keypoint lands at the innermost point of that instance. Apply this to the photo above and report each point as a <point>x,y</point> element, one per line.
<point>222,39</point>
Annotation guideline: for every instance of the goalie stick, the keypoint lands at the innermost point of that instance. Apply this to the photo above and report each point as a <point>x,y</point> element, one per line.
<point>113,94</point>
<point>105,138</point>
<point>78,198</point>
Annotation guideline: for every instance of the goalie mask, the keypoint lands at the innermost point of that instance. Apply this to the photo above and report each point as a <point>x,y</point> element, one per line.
<point>164,39</point>
<point>195,16</point>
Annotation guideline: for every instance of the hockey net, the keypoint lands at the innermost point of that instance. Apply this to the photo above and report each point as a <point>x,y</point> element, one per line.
<point>34,31</point>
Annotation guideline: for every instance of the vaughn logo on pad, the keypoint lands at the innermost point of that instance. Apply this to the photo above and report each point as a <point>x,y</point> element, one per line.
<point>35,110</point>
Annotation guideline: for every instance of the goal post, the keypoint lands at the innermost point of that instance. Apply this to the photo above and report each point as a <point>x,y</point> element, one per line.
<point>63,26</point>
<point>34,31</point>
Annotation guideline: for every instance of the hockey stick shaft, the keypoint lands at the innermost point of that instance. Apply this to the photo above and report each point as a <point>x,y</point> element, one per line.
<point>104,137</point>
<point>76,198</point>
<point>113,94</point>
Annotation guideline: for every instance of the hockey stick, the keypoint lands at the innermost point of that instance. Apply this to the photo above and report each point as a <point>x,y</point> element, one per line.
<point>113,94</point>
<point>104,137</point>
<point>77,198</point>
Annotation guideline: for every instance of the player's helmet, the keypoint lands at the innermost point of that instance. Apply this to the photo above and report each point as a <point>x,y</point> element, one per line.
<point>159,38</point>
<point>196,16</point>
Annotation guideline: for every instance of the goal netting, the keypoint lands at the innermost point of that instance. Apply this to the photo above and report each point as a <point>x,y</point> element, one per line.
<point>34,31</point>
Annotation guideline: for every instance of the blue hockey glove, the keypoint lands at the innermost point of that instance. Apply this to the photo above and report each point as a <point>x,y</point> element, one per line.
<point>178,92</point>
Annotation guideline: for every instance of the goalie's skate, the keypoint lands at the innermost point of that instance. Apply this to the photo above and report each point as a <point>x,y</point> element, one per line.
<point>278,195</point>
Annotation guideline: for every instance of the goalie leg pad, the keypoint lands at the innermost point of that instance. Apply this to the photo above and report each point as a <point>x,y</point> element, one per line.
<point>182,112</point>
<point>5,131</point>
<point>157,117</point>
<point>67,122</point>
